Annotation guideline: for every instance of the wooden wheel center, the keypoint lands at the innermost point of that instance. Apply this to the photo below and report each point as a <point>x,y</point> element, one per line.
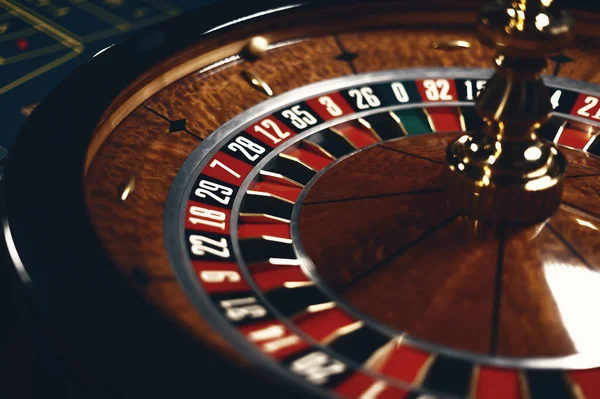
<point>379,228</point>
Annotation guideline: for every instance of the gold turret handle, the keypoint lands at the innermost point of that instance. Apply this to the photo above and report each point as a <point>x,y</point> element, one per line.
<point>503,172</point>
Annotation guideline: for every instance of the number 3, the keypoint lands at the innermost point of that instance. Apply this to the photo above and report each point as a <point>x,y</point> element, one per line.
<point>332,107</point>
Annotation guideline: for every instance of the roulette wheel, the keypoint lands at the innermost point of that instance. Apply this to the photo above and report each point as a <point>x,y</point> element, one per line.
<point>332,199</point>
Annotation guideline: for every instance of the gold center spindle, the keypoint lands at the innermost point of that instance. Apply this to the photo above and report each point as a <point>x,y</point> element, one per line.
<point>503,172</point>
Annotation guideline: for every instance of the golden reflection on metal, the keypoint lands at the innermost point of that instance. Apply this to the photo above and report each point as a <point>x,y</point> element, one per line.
<point>543,183</point>
<point>524,385</point>
<point>320,307</point>
<point>399,340</point>
<point>364,123</point>
<point>314,147</point>
<point>277,239</point>
<point>266,194</point>
<point>429,120</point>
<point>339,133</point>
<point>424,370</point>
<point>378,359</point>
<point>294,159</point>
<point>258,83</point>
<point>126,189</point>
<point>559,132</point>
<point>473,382</point>
<point>532,153</point>
<point>258,46</point>
<point>451,45</point>
<point>216,66</point>
<point>342,331</point>
<point>576,391</point>
<point>268,238</point>
<point>591,140</point>
<point>28,109</point>
<point>260,218</point>
<point>374,390</point>
<point>461,119</point>
<point>284,262</point>
<point>397,119</point>
<point>505,173</point>
<point>298,284</point>
<point>535,26</point>
<point>279,179</point>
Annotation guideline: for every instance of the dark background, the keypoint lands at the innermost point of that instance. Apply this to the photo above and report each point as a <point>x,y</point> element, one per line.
<point>42,41</point>
<point>33,60</point>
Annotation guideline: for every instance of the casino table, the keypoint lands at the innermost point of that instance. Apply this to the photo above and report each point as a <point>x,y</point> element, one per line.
<point>42,41</point>
<point>329,199</point>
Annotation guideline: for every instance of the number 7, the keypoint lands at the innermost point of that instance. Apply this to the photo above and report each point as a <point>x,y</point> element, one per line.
<point>216,162</point>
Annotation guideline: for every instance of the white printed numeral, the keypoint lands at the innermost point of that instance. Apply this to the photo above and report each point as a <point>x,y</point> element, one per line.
<point>214,191</point>
<point>555,99</point>
<point>365,98</point>
<point>590,102</point>
<point>202,245</point>
<point>246,147</point>
<point>332,107</point>
<point>437,90</point>
<point>400,92</point>
<point>299,118</point>
<point>226,168</point>
<point>317,367</point>
<point>271,130</point>
<point>239,309</point>
<point>479,85</point>
<point>207,217</point>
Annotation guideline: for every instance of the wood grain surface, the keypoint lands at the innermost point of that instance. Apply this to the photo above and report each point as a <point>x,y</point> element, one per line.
<point>134,141</point>
<point>399,253</point>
